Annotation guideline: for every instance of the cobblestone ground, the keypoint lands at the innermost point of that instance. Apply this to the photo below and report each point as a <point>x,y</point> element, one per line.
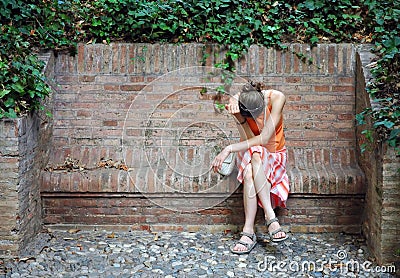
<point>179,254</point>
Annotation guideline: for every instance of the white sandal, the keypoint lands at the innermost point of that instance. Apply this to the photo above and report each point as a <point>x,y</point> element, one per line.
<point>249,246</point>
<point>271,234</point>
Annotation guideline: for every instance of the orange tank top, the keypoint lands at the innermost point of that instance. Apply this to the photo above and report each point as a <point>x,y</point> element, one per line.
<point>276,142</point>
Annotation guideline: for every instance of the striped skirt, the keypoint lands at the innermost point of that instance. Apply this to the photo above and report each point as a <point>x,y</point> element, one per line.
<point>274,165</point>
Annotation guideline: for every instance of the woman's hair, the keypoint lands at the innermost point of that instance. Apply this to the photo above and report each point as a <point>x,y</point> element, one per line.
<point>251,100</point>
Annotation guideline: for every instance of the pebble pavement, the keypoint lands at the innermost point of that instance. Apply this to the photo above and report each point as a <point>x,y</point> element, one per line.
<point>108,254</point>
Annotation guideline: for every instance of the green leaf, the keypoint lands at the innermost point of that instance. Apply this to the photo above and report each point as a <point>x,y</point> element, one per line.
<point>221,89</point>
<point>394,134</point>
<point>360,119</point>
<point>17,87</point>
<point>11,114</point>
<point>385,123</point>
<point>314,39</point>
<point>10,102</point>
<point>219,106</point>
<point>4,92</point>
<point>368,135</point>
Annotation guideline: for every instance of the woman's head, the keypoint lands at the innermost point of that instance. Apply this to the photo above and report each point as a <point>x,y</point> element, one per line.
<point>251,100</point>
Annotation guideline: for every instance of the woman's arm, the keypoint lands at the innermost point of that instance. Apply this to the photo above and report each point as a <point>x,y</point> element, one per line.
<point>233,108</point>
<point>278,101</point>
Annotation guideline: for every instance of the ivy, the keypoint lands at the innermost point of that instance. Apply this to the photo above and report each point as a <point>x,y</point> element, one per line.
<point>28,26</point>
<point>22,82</point>
<point>383,19</point>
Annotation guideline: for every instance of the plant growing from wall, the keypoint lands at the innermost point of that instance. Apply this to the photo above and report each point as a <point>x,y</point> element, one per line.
<point>383,19</point>
<point>21,80</point>
<point>27,26</point>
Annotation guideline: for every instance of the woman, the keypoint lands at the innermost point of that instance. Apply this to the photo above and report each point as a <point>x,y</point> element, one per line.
<point>261,159</point>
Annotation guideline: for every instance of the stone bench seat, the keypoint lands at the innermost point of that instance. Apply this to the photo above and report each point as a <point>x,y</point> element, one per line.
<point>324,171</point>
<point>327,193</point>
<point>310,171</point>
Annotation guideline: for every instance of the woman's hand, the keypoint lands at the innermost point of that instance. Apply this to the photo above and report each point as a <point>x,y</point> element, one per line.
<point>220,158</point>
<point>233,106</point>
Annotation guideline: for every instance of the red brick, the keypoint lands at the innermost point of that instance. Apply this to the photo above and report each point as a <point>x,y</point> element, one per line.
<point>346,116</point>
<point>321,107</point>
<point>81,57</point>
<point>298,107</point>
<point>133,58</point>
<point>156,58</point>
<point>322,59</point>
<point>221,211</point>
<point>218,220</point>
<point>293,79</point>
<point>348,220</point>
<point>304,219</point>
<point>261,59</point>
<point>89,59</point>
<point>111,87</point>
<point>323,229</point>
<point>132,87</point>
<point>209,54</point>
<point>314,56</point>
<point>322,88</point>
<point>288,56</point>
<point>332,59</point>
<point>123,58</point>
<point>278,61</point>
<point>343,88</point>
<point>52,219</point>
<point>296,61</point>
<point>87,78</point>
<point>150,79</point>
<point>115,58</point>
<point>346,80</point>
<point>299,229</point>
<point>138,79</point>
<point>110,123</point>
<point>141,227</point>
<point>346,135</point>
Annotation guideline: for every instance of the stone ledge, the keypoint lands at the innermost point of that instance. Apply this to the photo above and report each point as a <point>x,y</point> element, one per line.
<point>311,171</point>
<point>325,171</point>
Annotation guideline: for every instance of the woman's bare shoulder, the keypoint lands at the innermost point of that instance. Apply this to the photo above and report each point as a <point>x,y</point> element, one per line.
<point>274,94</point>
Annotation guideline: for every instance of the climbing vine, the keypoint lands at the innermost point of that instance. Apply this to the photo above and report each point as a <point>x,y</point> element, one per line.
<point>383,23</point>
<point>29,26</point>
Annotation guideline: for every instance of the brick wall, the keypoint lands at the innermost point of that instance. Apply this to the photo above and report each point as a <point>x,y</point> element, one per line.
<point>118,212</point>
<point>130,106</point>
<point>9,192</point>
<point>381,222</point>
<point>142,105</point>
<point>24,152</point>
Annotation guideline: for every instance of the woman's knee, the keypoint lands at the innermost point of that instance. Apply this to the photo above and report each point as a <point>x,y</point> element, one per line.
<point>256,159</point>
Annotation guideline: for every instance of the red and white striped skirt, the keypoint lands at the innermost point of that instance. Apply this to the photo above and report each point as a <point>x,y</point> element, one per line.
<point>274,165</point>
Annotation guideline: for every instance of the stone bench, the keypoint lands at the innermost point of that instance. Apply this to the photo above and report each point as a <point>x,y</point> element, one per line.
<point>153,117</point>
<point>325,171</point>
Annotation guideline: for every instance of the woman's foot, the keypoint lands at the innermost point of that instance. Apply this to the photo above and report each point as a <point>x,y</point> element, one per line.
<point>245,244</point>
<point>275,230</point>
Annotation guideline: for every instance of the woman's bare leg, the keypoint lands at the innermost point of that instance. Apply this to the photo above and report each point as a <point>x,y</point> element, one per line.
<point>263,188</point>
<point>250,207</point>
